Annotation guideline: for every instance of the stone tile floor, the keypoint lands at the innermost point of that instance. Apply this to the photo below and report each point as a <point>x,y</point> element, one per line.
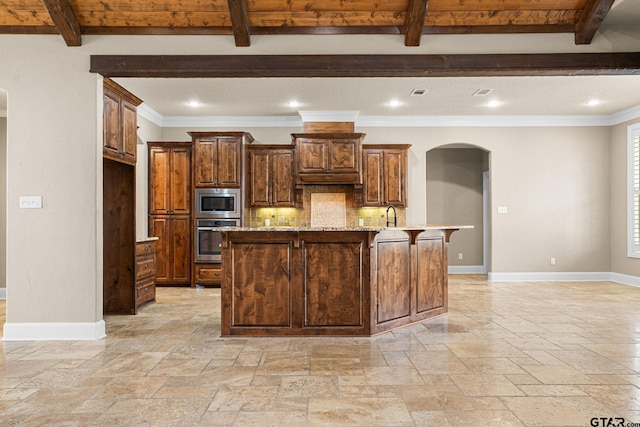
<point>507,354</point>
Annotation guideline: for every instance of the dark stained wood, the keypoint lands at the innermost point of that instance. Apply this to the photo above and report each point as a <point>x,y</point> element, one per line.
<point>328,127</point>
<point>393,280</point>
<point>217,158</point>
<point>119,123</point>
<point>169,178</point>
<point>65,20</point>
<point>414,23</point>
<point>551,64</point>
<point>119,229</point>
<point>430,286</point>
<point>328,158</point>
<point>385,174</point>
<point>270,176</point>
<point>145,272</point>
<point>207,274</point>
<point>240,22</point>
<point>262,284</point>
<point>173,254</point>
<point>590,19</point>
<point>333,284</point>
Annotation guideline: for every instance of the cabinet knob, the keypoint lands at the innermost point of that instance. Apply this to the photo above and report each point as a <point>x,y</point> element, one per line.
<point>146,266</point>
<point>147,248</point>
<point>217,274</point>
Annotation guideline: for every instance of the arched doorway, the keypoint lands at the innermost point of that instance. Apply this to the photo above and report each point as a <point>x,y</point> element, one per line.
<point>458,192</point>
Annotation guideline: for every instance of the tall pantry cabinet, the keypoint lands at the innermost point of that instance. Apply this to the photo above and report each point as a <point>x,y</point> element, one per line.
<point>170,210</point>
<point>119,140</point>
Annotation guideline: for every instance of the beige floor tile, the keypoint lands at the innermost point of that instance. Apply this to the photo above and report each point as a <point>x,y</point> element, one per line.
<point>538,354</point>
<point>358,412</point>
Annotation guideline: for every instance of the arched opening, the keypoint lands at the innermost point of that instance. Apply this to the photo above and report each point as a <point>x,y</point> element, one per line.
<point>458,192</point>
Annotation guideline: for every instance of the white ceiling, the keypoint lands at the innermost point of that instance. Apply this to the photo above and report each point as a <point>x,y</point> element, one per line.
<point>369,96</point>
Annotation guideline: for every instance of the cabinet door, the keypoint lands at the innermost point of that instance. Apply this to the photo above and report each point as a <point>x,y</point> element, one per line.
<point>111,122</point>
<point>373,177</point>
<point>259,177</point>
<point>395,177</point>
<point>205,172</point>
<point>159,227</point>
<point>344,156</point>
<point>159,176</point>
<point>313,155</point>
<point>180,250</point>
<point>180,181</point>
<point>129,132</point>
<point>282,177</point>
<point>228,162</point>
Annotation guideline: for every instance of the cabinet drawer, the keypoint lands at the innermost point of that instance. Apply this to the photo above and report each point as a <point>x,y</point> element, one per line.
<point>145,266</point>
<point>144,248</point>
<point>145,291</point>
<point>208,274</point>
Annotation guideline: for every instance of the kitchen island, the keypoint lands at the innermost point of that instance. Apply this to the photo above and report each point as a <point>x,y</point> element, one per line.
<point>354,281</point>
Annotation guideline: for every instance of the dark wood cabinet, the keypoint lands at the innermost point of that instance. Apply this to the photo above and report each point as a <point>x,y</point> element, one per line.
<point>145,272</point>
<point>217,159</point>
<point>169,178</point>
<point>385,175</point>
<point>328,158</point>
<point>120,123</point>
<point>173,248</point>
<point>208,274</point>
<point>170,210</point>
<point>270,175</point>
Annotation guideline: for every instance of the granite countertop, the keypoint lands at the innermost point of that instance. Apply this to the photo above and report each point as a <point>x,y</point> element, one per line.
<point>147,239</point>
<point>405,228</point>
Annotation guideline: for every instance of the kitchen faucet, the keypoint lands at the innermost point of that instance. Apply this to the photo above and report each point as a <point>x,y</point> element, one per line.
<point>395,218</point>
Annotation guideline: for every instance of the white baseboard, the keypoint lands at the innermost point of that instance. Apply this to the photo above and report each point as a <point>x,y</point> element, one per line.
<point>59,331</point>
<point>466,269</point>
<point>565,277</point>
<point>3,293</point>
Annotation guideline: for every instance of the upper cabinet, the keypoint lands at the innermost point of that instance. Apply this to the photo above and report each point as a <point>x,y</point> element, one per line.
<point>328,158</point>
<point>169,178</point>
<point>385,175</point>
<point>217,158</point>
<point>120,123</point>
<point>270,175</point>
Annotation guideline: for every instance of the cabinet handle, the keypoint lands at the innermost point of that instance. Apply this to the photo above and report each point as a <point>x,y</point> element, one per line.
<point>146,266</point>
<point>147,248</point>
<point>217,274</point>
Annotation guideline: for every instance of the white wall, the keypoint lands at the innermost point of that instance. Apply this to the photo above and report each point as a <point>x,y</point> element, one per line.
<point>3,203</point>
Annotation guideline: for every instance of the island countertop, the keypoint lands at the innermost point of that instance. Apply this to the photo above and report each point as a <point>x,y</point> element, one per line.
<point>351,228</point>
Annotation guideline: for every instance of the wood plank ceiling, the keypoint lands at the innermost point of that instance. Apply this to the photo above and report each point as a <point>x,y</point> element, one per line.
<point>242,18</point>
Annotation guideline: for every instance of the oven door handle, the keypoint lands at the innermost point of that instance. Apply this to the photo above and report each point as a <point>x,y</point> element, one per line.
<point>208,228</point>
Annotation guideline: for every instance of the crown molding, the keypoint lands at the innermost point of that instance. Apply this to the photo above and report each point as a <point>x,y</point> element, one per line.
<point>329,116</point>
<point>388,121</point>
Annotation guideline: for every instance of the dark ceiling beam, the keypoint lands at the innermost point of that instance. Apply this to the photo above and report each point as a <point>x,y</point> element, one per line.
<point>415,22</point>
<point>590,19</point>
<point>65,21</point>
<point>240,22</point>
<point>547,64</point>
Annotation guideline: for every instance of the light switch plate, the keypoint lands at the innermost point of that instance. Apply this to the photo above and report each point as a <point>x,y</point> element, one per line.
<point>502,209</point>
<point>30,202</point>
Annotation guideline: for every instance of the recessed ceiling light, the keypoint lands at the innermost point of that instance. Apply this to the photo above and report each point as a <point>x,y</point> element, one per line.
<point>293,104</point>
<point>393,103</point>
<point>593,102</point>
<point>193,103</point>
<point>418,92</point>
<point>482,92</point>
<point>493,103</point>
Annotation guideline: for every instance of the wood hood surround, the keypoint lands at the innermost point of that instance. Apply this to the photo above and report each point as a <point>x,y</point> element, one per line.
<point>328,153</point>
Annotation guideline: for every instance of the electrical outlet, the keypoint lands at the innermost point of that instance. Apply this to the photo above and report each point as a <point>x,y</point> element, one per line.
<point>460,256</point>
<point>502,209</point>
<point>553,261</point>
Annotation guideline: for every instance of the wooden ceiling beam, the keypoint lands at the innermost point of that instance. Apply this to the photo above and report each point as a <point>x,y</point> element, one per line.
<point>65,21</point>
<point>186,66</point>
<point>592,15</point>
<point>415,22</point>
<point>240,22</point>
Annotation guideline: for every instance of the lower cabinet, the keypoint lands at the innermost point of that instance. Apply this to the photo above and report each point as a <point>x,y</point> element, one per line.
<point>173,251</point>
<point>207,274</point>
<point>145,272</point>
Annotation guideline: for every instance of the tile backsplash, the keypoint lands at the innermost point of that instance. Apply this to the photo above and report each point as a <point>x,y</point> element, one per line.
<point>292,217</point>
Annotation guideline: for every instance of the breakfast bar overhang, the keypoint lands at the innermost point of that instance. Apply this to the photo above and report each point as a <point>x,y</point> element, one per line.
<point>337,281</point>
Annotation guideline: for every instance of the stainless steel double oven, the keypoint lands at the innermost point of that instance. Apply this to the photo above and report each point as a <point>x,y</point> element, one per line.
<point>215,208</point>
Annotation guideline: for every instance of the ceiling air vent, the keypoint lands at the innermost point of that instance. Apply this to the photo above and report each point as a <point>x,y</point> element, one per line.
<point>418,92</point>
<point>482,92</point>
